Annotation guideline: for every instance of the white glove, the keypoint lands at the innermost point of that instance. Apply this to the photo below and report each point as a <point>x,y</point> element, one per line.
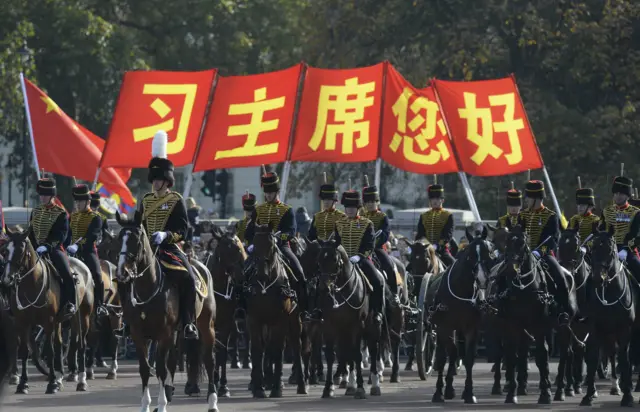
<point>583,250</point>
<point>435,246</point>
<point>496,253</point>
<point>159,237</point>
<point>622,255</point>
<point>408,250</point>
<point>354,259</point>
<point>72,248</point>
<point>197,220</point>
<point>196,239</point>
<point>536,254</point>
<point>250,248</point>
<point>41,249</point>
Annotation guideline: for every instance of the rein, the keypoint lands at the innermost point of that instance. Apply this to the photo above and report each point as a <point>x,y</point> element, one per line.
<point>19,278</point>
<point>338,289</point>
<point>603,300</point>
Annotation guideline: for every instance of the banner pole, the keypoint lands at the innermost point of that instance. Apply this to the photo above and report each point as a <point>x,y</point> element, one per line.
<point>28,114</point>
<point>377,177</point>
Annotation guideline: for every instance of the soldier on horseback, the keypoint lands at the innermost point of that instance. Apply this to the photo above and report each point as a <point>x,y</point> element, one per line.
<point>249,206</point>
<point>279,216</point>
<point>164,217</point>
<point>48,229</point>
<point>436,224</point>
<point>95,206</point>
<point>514,204</point>
<point>624,220</point>
<point>324,222</point>
<point>371,199</point>
<point>355,234</point>
<point>585,219</point>
<point>85,225</point>
<point>539,222</point>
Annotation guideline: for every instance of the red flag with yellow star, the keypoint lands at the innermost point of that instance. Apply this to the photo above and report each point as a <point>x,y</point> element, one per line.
<point>64,147</point>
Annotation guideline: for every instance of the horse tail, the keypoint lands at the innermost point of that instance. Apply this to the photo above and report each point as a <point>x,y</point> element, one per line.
<point>195,371</point>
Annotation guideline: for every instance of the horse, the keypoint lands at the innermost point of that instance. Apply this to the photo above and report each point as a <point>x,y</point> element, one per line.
<point>530,291</point>
<point>459,300</point>
<point>613,296</point>
<point>151,309</point>
<point>345,296</point>
<point>226,264</point>
<point>8,343</point>
<point>35,300</point>
<point>272,314</point>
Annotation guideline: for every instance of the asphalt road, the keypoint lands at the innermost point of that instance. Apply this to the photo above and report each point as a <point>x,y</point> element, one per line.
<point>412,394</point>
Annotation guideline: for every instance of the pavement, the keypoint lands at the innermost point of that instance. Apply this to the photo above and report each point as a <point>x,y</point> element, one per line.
<point>411,394</point>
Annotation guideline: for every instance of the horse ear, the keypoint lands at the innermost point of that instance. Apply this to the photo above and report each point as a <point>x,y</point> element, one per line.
<point>485,232</point>
<point>119,219</point>
<point>7,230</point>
<point>137,218</point>
<point>611,230</point>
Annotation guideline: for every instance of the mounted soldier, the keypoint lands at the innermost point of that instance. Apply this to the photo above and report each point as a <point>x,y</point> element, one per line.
<point>193,214</point>
<point>279,216</point>
<point>48,229</point>
<point>514,205</point>
<point>623,220</point>
<point>585,220</point>
<point>164,217</point>
<point>436,224</point>
<point>85,230</point>
<point>371,199</point>
<point>324,222</point>
<point>356,235</point>
<point>249,206</point>
<point>539,222</point>
<point>97,207</point>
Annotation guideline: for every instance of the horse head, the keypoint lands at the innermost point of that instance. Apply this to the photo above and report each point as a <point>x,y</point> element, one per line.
<point>332,260</point>
<point>265,250</point>
<point>477,254</point>
<point>309,258</point>
<point>422,257</point>
<point>108,249</point>
<point>499,237</point>
<point>605,264</point>
<point>20,256</point>
<point>230,255</point>
<point>517,250</point>
<point>135,249</point>
<point>569,247</point>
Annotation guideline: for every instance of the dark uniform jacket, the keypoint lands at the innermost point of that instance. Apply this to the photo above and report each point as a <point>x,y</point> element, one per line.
<point>539,225</point>
<point>324,224</point>
<point>279,216</point>
<point>380,222</point>
<point>507,221</point>
<point>436,225</point>
<point>85,230</point>
<point>355,235</point>
<point>241,229</point>
<point>584,224</point>
<point>625,221</point>
<point>48,226</point>
<point>166,214</point>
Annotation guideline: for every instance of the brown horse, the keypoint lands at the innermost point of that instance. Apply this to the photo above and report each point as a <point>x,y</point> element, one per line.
<point>8,344</point>
<point>35,300</point>
<point>226,264</point>
<point>272,315</point>
<point>151,303</point>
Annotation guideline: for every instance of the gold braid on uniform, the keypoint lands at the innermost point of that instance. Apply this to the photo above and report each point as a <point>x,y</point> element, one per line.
<point>79,224</point>
<point>242,229</point>
<point>433,221</point>
<point>376,217</point>
<point>42,221</point>
<point>351,232</point>
<point>156,219</point>
<point>512,219</point>
<point>325,222</point>
<point>271,214</point>
<point>584,224</point>
<point>620,219</point>
<point>535,222</point>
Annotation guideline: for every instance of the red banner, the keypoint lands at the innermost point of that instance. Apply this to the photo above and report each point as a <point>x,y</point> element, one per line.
<point>156,100</point>
<point>250,120</point>
<point>414,137</point>
<point>339,116</point>
<point>489,127</point>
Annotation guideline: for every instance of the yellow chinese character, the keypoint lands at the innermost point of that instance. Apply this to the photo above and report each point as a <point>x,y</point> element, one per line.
<point>163,110</point>
<point>484,141</point>
<point>256,126</point>
<point>427,124</point>
<point>347,103</point>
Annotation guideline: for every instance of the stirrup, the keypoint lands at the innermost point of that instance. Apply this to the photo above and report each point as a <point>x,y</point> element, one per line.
<point>101,310</point>
<point>193,335</point>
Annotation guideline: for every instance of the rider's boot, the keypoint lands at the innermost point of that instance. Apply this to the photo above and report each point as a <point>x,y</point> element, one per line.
<point>101,309</point>
<point>189,308</point>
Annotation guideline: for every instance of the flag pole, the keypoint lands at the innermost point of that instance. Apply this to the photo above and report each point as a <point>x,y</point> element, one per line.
<point>376,179</point>
<point>461,174</point>
<point>28,113</point>
<point>188,182</point>
<point>286,170</point>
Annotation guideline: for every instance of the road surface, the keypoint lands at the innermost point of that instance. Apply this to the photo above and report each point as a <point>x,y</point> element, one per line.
<point>411,394</point>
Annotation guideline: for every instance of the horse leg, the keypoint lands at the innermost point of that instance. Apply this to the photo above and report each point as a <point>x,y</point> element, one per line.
<point>496,389</point>
<point>375,346</point>
<point>471,339</point>
<point>625,370</point>
<point>355,371</point>
<point>562,342</point>
<point>593,359</point>
<point>542,362</point>
<point>23,385</point>
<point>276,349</point>
<point>53,386</point>
<point>72,353</point>
<point>221,360</point>
<point>340,378</point>
<point>297,336</point>
<point>329,389</point>
<point>452,350</point>
<point>578,368</point>
<point>113,369</point>
<point>162,350</point>
<point>317,350</point>
<point>233,340</point>
<point>522,363</point>
<point>92,346</point>
<point>82,327</point>
<point>246,359</point>
<point>395,354</point>
<point>365,355</point>
<point>142,350</point>
<point>568,390</point>
<point>441,360</point>
<point>511,342</point>
<point>257,357</point>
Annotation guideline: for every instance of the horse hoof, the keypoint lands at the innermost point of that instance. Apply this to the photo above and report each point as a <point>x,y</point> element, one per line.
<point>259,394</point>
<point>328,393</point>
<point>408,367</point>
<point>586,401</point>
<point>522,391</point>
<point>614,391</point>
<point>511,399</point>
<point>559,395</point>
<point>276,393</point>
<point>342,385</point>
<point>168,392</point>
<point>303,390</point>
<point>544,399</point>
<point>90,374</point>
<point>235,365</point>
<point>112,376</point>
<point>470,399</point>
<point>14,379</point>
<point>350,392</point>
<point>52,388</point>
<point>381,377</point>
<point>375,391</point>
<point>223,392</point>
<point>496,389</point>
<point>595,394</point>
<point>72,377</point>
<point>627,400</point>
<point>577,389</point>
<point>22,389</point>
<point>246,365</point>
<point>360,394</point>
<point>82,387</point>
<point>101,364</point>
<point>388,363</point>
<point>191,389</point>
<point>449,393</point>
<point>292,379</point>
<point>570,392</point>
<point>394,379</point>
<point>437,397</point>
<point>369,380</point>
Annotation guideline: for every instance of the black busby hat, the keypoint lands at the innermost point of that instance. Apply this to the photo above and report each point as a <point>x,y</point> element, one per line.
<point>328,191</point>
<point>81,192</point>
<point>270,182</point>
<point>514,197</point>
<point>622,184</point>
<point>435,191</point>
<point>46,186</point>
<point>351,198</point>
<point>534,189</point>
<point>248,201</point>
<point>95,200</point>
<point>585,196</point>
<point>370,194</point>
<point>160,168</point>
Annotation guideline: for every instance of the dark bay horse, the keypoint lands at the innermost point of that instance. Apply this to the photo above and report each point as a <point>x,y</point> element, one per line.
<point>459,299</point>
<point>273,315</point>
<point>613,296</point>
<point>344,293</point>
<point>8,344</point>
<point>151,303</point>
<point>226,264</point>
<point>35,300</point>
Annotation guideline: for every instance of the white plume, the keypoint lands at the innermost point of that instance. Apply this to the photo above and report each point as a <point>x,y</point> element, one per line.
<point>159,144</point>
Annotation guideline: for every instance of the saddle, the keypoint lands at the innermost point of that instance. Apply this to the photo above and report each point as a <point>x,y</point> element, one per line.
<point>172,262</point>
<point>376,263</point>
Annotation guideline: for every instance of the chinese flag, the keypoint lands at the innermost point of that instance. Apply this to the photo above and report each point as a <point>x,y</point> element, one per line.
<point>414,136</point>
<point>64,147</point>
<point>250,120</point>
<point>489,126</point>
<point>149,101</point>
<point>339,116</point>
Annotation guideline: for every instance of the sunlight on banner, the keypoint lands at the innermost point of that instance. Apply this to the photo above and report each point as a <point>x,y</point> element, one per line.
<point>114,201</point>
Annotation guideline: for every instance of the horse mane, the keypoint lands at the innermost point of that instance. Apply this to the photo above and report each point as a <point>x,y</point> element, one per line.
<point>236,240</point>
<point>343,253</point>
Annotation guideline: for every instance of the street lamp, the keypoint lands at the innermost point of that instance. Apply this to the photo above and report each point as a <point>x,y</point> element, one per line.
<point>25,56</point>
